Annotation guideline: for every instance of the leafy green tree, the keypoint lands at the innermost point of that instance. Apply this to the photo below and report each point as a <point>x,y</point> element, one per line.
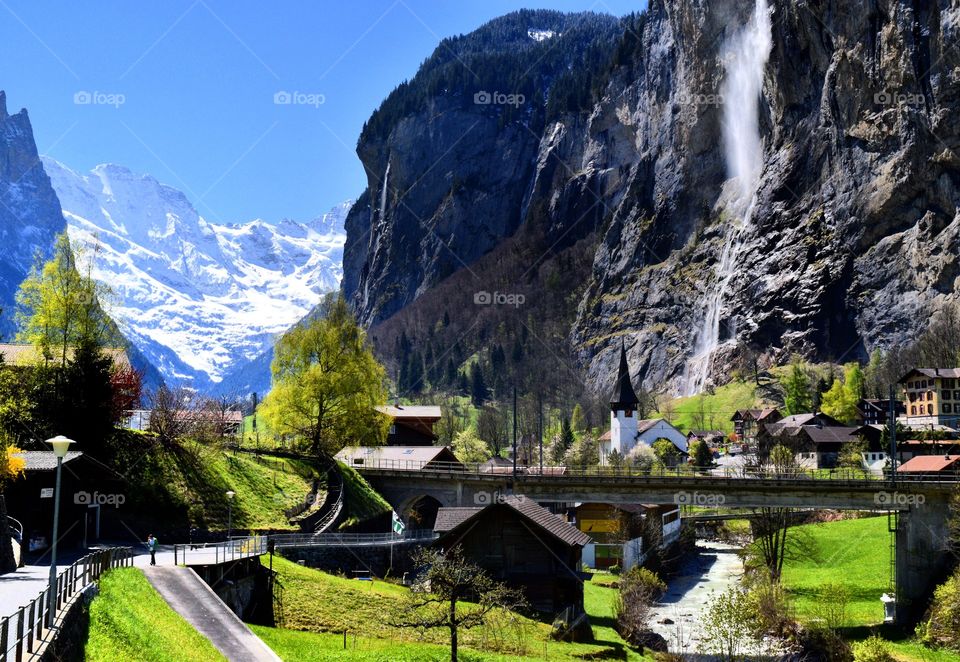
<point>583,453</point>
<point>566,434</point>
<point>666,452</point>
<point>797,397</point>
<point>59,308</point>
<point>470,448</point>
<point>577,420</point>
<point>327,383</point>
<point>729,625</point>
<point>701,453</point>
<point>841,400</point>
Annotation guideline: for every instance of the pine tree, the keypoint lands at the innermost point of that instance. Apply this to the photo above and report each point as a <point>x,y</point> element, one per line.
<point>478,387</point>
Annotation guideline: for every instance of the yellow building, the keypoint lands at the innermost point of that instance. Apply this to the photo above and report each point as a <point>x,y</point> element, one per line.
<point>932,396</point>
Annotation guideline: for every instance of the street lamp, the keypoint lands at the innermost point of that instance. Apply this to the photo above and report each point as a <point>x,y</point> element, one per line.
<point>230,495</point>
<point>60,447</point>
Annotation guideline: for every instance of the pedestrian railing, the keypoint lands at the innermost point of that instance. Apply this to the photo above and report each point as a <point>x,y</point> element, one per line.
<point>221,552</point>
<point>350,539</point>
<point>31,628</point>
<point>627,471</point>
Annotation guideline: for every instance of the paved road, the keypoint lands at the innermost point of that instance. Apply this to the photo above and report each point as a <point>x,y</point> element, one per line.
<point>190,596</point>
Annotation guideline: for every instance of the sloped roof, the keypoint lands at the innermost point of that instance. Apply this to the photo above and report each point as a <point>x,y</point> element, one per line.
<point>427,412</point>
<point>45,460</point>
<point>829,434</point>
<point>399,454</point>
<point>454,518</point>
<point>450,518</point>
<point>930,464</point>
<point>623,393</point>
<point>20,354</point>
<point>949,373</point>
<point>645,424</point>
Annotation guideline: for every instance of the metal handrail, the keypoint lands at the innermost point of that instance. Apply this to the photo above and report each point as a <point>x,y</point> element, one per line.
<point>224,551</point>
<point>350,539</point>
<point>686,473</point>
<point>16,528</point>
<point>32,628</point>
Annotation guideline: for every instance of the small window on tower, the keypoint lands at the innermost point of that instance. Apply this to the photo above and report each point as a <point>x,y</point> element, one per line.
<point>628,413</point>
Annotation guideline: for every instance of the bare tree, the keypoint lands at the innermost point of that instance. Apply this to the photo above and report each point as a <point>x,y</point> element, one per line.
<point>170,413</point>
<point>448,581</point>
<point>492,428</point>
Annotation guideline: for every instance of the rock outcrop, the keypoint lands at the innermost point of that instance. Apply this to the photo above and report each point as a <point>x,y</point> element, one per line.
<point>854,240</point>
<point>30,216</point>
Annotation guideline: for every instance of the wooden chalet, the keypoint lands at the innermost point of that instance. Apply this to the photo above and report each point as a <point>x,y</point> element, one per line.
<point>411,425</point>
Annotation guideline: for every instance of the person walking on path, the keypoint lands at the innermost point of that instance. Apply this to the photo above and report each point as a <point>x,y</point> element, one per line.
<point>152,546</point>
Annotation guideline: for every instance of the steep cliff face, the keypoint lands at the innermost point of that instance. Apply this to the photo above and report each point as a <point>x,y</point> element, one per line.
<point>30,214</point>
<point>852,238</point>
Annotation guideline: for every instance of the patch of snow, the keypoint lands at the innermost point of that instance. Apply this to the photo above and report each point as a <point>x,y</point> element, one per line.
<point>541,35</point>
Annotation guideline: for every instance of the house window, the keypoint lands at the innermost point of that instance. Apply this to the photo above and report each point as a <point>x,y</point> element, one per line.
<point>947,409</point>
<point>930,410</point>
<point>947,395</point>
<point>956,395</point>
<point>913,410</point>
<point>930,395</point>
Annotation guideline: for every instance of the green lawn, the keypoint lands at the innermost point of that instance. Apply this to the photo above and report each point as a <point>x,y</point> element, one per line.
<point>718,407</point>
<point>361,501</point>
<point>855,553</point>
<point>130,621</point>
<point>185,484</point>
<point>323,606</point>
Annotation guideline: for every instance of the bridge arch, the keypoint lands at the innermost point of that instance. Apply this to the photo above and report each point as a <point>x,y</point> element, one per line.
<point>419,511</point>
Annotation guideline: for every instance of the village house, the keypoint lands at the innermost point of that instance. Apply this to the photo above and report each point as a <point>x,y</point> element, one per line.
<point>91,502</point>
<point>816,439</point>
<point>932,397</point>
<point>627,430</point>
<point>411,425</point>
<point>624,534</point>
<point>945,466</point>
<point>523,545</point>
<point>747,422</point>
<point>416,458</point>
<point>713,438</point>
<point>877,411</point>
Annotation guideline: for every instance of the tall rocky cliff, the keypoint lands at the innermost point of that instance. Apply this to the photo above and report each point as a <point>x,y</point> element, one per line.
<point>30,215</point>
<point>852,241</point>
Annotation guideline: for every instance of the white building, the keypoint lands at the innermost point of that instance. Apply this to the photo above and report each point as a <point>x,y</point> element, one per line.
<point>626,428</point>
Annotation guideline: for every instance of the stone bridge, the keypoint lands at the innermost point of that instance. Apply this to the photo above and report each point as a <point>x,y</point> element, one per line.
<point>921,504</point>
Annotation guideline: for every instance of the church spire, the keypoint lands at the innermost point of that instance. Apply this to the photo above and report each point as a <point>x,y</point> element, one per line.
<point>624,397</point>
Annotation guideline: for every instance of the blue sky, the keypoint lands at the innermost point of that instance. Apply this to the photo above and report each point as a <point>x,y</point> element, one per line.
<point>185,88</point>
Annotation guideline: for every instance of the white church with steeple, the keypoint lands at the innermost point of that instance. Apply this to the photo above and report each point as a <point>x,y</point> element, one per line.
<point>627,429</point>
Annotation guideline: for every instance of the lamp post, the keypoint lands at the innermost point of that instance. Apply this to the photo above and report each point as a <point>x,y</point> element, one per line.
<point>230,495</point>
<point>60,447</point>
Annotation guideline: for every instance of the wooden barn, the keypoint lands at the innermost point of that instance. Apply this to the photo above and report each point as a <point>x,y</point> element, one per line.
<point>522,544</point>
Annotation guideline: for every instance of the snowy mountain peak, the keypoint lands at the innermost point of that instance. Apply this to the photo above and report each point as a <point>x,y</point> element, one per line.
<point>198,298</point>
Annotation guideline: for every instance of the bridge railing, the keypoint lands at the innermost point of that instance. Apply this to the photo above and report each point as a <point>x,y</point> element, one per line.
<point>220,552</point>
<point>350,539</point>
<point>684,472</point>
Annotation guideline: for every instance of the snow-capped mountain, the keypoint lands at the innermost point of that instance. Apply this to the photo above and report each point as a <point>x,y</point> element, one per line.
<point>200,299</point>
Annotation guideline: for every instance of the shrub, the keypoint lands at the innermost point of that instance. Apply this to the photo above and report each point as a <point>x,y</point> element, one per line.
<point>943,628</point>
<point>873,649</point>
<point>639,589</point>
<point>832,606</point>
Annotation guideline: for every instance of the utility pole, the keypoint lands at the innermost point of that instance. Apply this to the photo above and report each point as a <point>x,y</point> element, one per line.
<point>514,431</point>
<point>540,427</point>
<point>893,435</point>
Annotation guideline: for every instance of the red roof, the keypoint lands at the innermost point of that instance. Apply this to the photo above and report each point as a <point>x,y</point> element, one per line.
<point>931,464</point>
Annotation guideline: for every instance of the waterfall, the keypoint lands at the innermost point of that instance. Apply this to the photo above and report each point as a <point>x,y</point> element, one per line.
<point>383,193</point>
<point>745,57</point>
